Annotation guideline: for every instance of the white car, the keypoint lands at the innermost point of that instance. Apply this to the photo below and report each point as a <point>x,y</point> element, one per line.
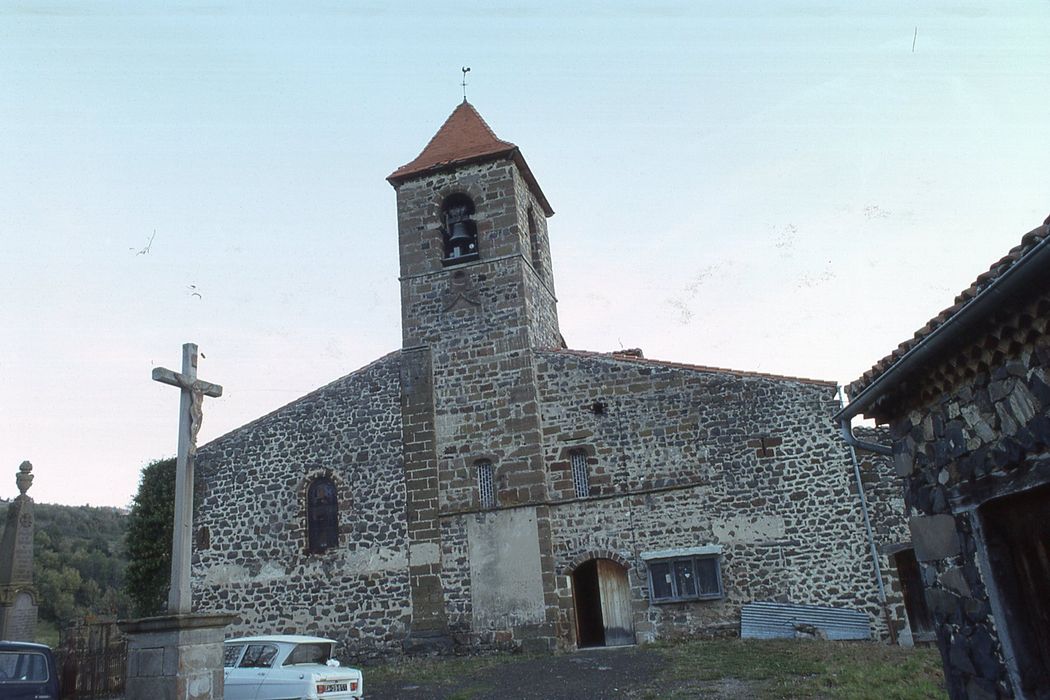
<point>282,667</point>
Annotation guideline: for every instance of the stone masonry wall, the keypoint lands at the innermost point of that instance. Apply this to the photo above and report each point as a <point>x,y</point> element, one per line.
<point>681,457</point>
<point>984,437</point>
<point>885,496</point>
<point>251,490</point>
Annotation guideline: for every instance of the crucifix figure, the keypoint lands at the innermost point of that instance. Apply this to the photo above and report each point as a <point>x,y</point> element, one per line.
<point>190,414</point>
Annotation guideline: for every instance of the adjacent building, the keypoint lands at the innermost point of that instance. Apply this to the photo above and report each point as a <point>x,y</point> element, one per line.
<point>968,405</point>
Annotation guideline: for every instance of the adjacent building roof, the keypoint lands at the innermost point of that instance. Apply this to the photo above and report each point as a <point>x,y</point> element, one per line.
<point>981,298</point>
<point>465,137</point>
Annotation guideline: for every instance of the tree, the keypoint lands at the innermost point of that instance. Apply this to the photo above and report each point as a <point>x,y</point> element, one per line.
<point>149,538</point>
<point>79,561</point>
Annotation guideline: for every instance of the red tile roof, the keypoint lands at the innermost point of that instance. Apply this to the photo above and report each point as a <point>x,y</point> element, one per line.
<point>465,138</point>
<point>633,359</point>
<point>1028,242</point>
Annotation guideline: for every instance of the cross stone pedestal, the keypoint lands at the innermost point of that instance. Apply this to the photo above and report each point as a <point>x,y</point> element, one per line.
<point>175,657</point>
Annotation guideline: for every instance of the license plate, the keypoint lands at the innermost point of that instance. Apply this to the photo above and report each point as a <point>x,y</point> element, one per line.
<point>335,688</point>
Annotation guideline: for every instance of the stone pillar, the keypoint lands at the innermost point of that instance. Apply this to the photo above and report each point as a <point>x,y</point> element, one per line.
<point>18,609</point>
<point>429,623</point>
<point>175,657</point>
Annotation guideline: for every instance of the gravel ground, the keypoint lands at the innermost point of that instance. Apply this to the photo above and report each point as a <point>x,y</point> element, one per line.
<point>731,668</point>
<point>623,672</point>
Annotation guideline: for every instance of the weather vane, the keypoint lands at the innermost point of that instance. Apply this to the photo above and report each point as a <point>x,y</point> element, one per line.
<point>465,69</point>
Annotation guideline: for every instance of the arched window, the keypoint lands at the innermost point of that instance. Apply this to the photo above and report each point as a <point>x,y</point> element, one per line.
<point>534,244</point>
<point>458,229</point>
<point>486,487</point>
<point>322,515</point>
<point>580,483</point>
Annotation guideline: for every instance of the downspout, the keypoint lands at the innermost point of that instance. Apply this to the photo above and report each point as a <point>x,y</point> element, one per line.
<point>846,423</point>
<point>867,519</point>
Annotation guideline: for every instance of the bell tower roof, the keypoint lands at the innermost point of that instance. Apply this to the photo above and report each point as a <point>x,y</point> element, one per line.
<point>466,138</point>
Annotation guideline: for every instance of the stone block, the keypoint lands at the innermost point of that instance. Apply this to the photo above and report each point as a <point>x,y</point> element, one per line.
<point>1040,390</point>
<point>148,662</point>
<point>934,537</point>
<point>1021,403</point>
<point>904,459</point>
<point>954,580</point>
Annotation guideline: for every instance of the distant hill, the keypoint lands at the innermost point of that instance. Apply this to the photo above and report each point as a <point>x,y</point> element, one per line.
<point>79,561</point>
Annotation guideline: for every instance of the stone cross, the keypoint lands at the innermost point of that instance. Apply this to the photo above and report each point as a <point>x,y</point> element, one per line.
<point>190,415</point>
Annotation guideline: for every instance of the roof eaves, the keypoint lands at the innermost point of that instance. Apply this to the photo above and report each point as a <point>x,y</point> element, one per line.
<point>616,357</point>
<point>871,388</point>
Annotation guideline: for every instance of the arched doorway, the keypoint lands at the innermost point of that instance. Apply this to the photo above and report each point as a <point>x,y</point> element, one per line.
<point>602,599</point>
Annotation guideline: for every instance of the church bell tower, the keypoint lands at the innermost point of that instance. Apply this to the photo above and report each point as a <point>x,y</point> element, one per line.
<point>472,231</point>
<point>477,300</point>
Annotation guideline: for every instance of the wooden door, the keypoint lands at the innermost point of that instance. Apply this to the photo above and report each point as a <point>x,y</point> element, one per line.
<point>615,594</point>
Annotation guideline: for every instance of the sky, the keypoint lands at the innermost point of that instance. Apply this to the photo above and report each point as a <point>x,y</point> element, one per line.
<point>783,187</point>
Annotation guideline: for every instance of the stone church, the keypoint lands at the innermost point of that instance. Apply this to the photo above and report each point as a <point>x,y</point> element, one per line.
<point>487,487</point>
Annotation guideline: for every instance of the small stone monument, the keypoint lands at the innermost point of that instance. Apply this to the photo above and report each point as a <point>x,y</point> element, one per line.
<point>17,596</point>
<point>178,656</point>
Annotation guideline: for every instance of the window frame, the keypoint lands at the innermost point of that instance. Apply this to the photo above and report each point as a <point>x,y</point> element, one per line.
<point>486,477</point>
<point>458,200</point>
<point>710,553</point>
<point>234,659</point>
<point>24,660</point>
<point>255,661</point>
<point>317,536</point>
<point>578,469</point>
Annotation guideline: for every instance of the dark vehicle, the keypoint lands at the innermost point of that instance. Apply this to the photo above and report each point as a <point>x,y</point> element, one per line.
<point>27,672</point>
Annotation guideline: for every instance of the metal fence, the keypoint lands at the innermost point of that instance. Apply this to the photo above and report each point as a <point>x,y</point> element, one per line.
<point>93,658</point>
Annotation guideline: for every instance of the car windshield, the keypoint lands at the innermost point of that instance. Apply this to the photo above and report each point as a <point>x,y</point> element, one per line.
<point>22,666</point>
<point>312,653</point>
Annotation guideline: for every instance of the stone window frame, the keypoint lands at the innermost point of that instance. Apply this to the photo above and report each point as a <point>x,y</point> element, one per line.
<point>444,204</point>
<point>436,207</point>
<point>343,504</point>
<point>534,256</point>
<point>692,555</point>
<point>564,461</point>
<point>580,470</point>
<point>485,482</point>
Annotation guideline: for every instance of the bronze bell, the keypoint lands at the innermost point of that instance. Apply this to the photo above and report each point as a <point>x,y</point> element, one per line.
<point>459,240</point>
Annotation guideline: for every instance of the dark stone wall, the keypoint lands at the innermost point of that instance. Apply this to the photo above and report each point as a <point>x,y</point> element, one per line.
<point>250,497</point>
<point>680,457</point>
<point>984,438</point>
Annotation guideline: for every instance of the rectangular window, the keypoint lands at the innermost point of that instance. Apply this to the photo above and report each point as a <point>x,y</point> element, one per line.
<point>687,574</point>
<point>486,489</point>
<point>660,580</point>
<point>580,484</point>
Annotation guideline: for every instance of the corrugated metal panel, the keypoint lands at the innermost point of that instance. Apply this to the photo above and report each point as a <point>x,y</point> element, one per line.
<point>767,620</point>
